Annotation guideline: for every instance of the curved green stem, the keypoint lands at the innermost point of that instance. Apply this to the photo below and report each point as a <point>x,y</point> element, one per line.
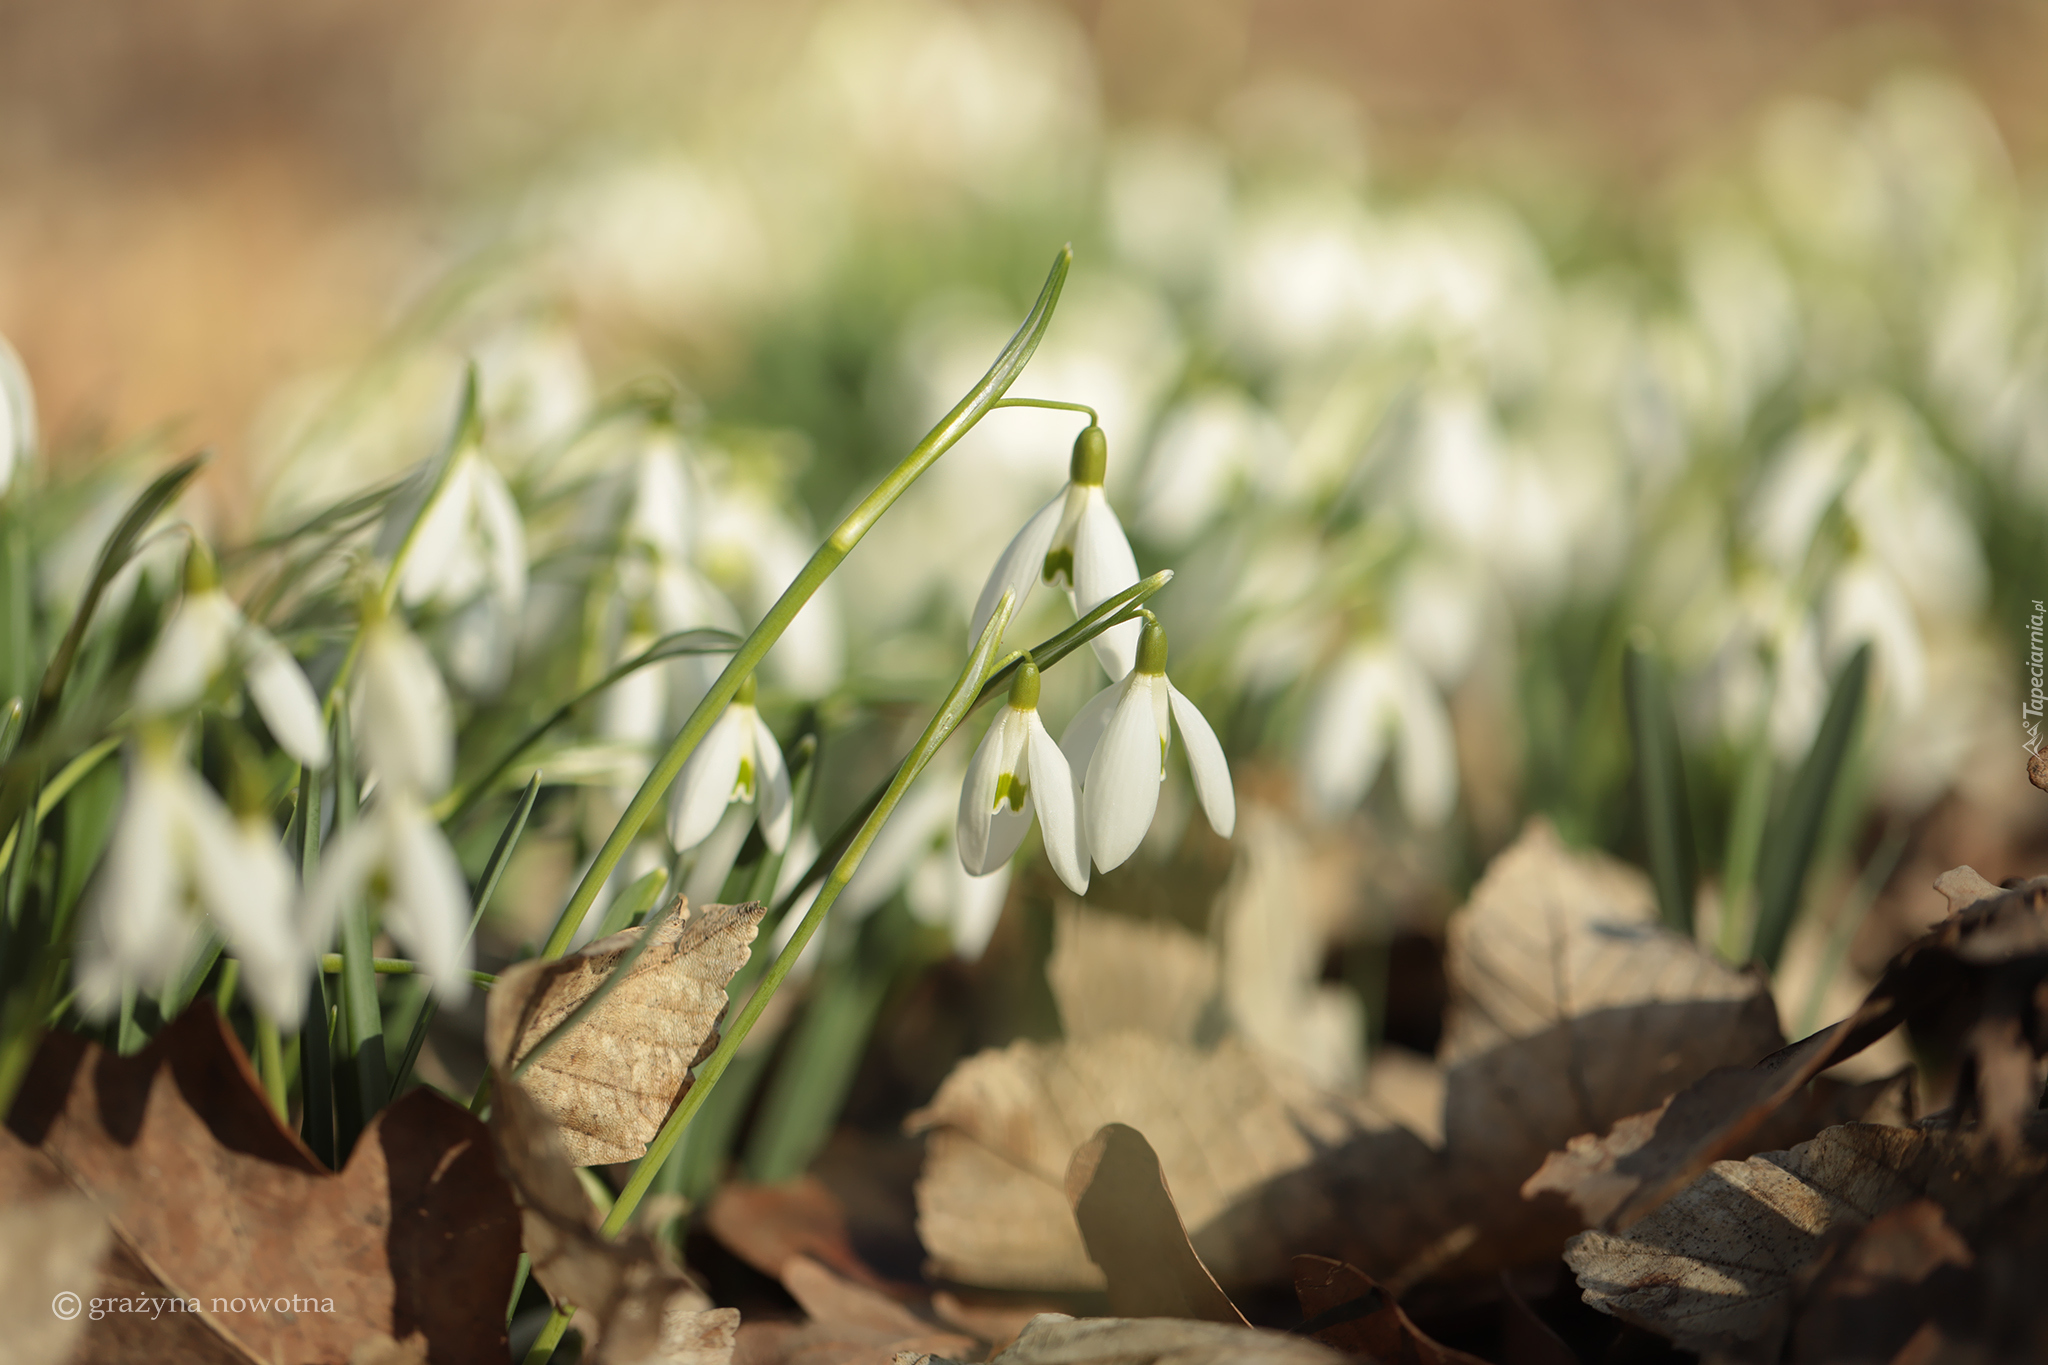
<point>747,658</point>
<point>1055,403</point>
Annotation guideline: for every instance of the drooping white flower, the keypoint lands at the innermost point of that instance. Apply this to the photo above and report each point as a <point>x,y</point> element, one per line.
<point>404,728</point>
<point>1119,740</point>
<point>179,857</point>
<point>17,416</point>
<point>395,851</point>
<point>916,853</point>
<point>206,635</point>
<point>1018,769</point>
<point>1076,542</point>
<point>738,760</point>
<point>469,556</point>
<point>1376,697</point>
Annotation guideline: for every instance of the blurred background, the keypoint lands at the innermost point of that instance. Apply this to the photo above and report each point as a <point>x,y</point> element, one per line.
<point>1446,349</point>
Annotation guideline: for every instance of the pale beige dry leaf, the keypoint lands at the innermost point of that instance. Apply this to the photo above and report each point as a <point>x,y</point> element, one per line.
<point>633,1306</point>
<point>49,1244</point>
<point>382,1350</point>
<point>1964,886</point>
<point>991,1200</point>
<point>611,1082</point>
<point>848,1324</point>
<point>1718,1266</point>
<point>1055,1339</point>
<point>1098,993</point>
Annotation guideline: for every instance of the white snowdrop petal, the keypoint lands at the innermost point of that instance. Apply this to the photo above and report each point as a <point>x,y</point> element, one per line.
<point>1084,731</point>
<point>130,920</point>
<point>1104,567</point>
<point>245,882</point>
<point>430,562</point>
<point>977,909</point>
<point>405,727</point>
<point>771,787</point>
<point>905,838</point>
<point>1428,752</point>
<point>17,416</point>
<point>428,912</point>
<point>346,866</point>
<point>190,652</point>
<point>1052,790</point>
<point>704,787</point>
<point>284,698</point>
<point>1019,566</point>
<point>1122,790</point>
<point>1345,739</point>
<point>504,536</point>
<point>978,798</point>
<point>1206,763</point>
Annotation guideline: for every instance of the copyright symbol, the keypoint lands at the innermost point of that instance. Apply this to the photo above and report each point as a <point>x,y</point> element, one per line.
<point>65,1305</point>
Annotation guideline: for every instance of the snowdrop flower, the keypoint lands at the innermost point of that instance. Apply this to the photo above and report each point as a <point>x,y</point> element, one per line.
<point>1119,740</point>
<point>178,855</point>
<point>738,760</point>
<point>469,553</point>
<point>396,851</point>
<point>17,416</point>
<point>916,853</point>
<point>1018,768</point>
<point>207,633</point>
<point>1074,541</point>
<point>1374,695</point>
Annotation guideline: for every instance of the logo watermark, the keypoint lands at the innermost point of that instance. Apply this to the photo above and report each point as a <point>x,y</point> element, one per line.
<point>68,1305</point>
<point>2037,693</point>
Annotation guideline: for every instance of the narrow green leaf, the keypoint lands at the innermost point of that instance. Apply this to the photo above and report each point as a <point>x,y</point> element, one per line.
<point>1660,785</point>
<point>1789,844</point>
<point>316,1059</point>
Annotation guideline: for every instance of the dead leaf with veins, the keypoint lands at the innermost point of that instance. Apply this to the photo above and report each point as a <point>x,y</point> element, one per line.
<point>209,1197</point>
<point>1345,1309</point>
<point>1724,1265</point>
<point>613,1080</point>
<point>1055,1339</point>
<point>845,1324</point>
<point>633,1306</point>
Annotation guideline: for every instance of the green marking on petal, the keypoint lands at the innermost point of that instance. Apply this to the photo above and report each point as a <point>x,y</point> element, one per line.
<point>1162,758</point>
<point>743,789</point>
<point>1012,788</point>
<point>1059,565</point>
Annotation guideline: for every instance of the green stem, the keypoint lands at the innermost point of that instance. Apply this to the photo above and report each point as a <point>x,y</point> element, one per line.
<point>1745,837</point>
<point>748,657</point>
<point>1055,403</point>
<point>335,964</point>
<point>270,1064</point>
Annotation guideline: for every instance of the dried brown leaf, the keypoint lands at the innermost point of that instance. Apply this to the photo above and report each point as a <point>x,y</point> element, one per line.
<point>1720,1266</point>
<point>50,1243</point>
<point>1098,993</point>
<point>613,1080</point>
<point>1132,1230</point>
<point>1963,887</point>
<point>991,1200</point>
<point>1599,1173</point>
<point>1345,1309</point>
<point>210,1198</point>
<point>767,1225</point>
<point>848,1324</point>
<point>632,1303</point>
<point>1055,1339</point>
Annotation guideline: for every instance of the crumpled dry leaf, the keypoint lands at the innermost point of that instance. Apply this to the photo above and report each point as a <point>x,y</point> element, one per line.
<point>51,1241</point>
<point>847,1324</point>
<point>1346,1310</point>
<point>209,1197</point>
<point>1599,1173</point>
<point>991,1200</point>
<point>612,1082</point>
<point>1055,1339</point>
<point>1572,1010</point>
<point>769,1225</point>
<point>1132,1230</point>
<point>1722,1265</point>
<point>1982,970</point>
<point>1097,992</point>
<point>632,1305</point>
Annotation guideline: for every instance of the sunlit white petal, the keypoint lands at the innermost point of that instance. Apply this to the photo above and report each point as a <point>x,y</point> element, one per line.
<point>1122,788</point>
<point>284,698</point>
<point>771,787</point>
<point>704,787</point>
<point>428,912</point>
<point>1018,568</point>
<point>245,881</point>
<point>503,534</point>
<point>1052,790</point>
<point>1205,762</point>
<point>404,725</point>
<point>1104,567</point>
<point>1084,731</point>
<point>189,654</point>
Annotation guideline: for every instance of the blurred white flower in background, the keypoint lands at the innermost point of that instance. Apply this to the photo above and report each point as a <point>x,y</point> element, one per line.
<point>737,763</point>
<point>1212,451</point>
<point>468,556</point>
<point>18,432</point>
<point>178,861</point>
<point>915,853</point>
<point>534,388</point>
<point>1373,700</point>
